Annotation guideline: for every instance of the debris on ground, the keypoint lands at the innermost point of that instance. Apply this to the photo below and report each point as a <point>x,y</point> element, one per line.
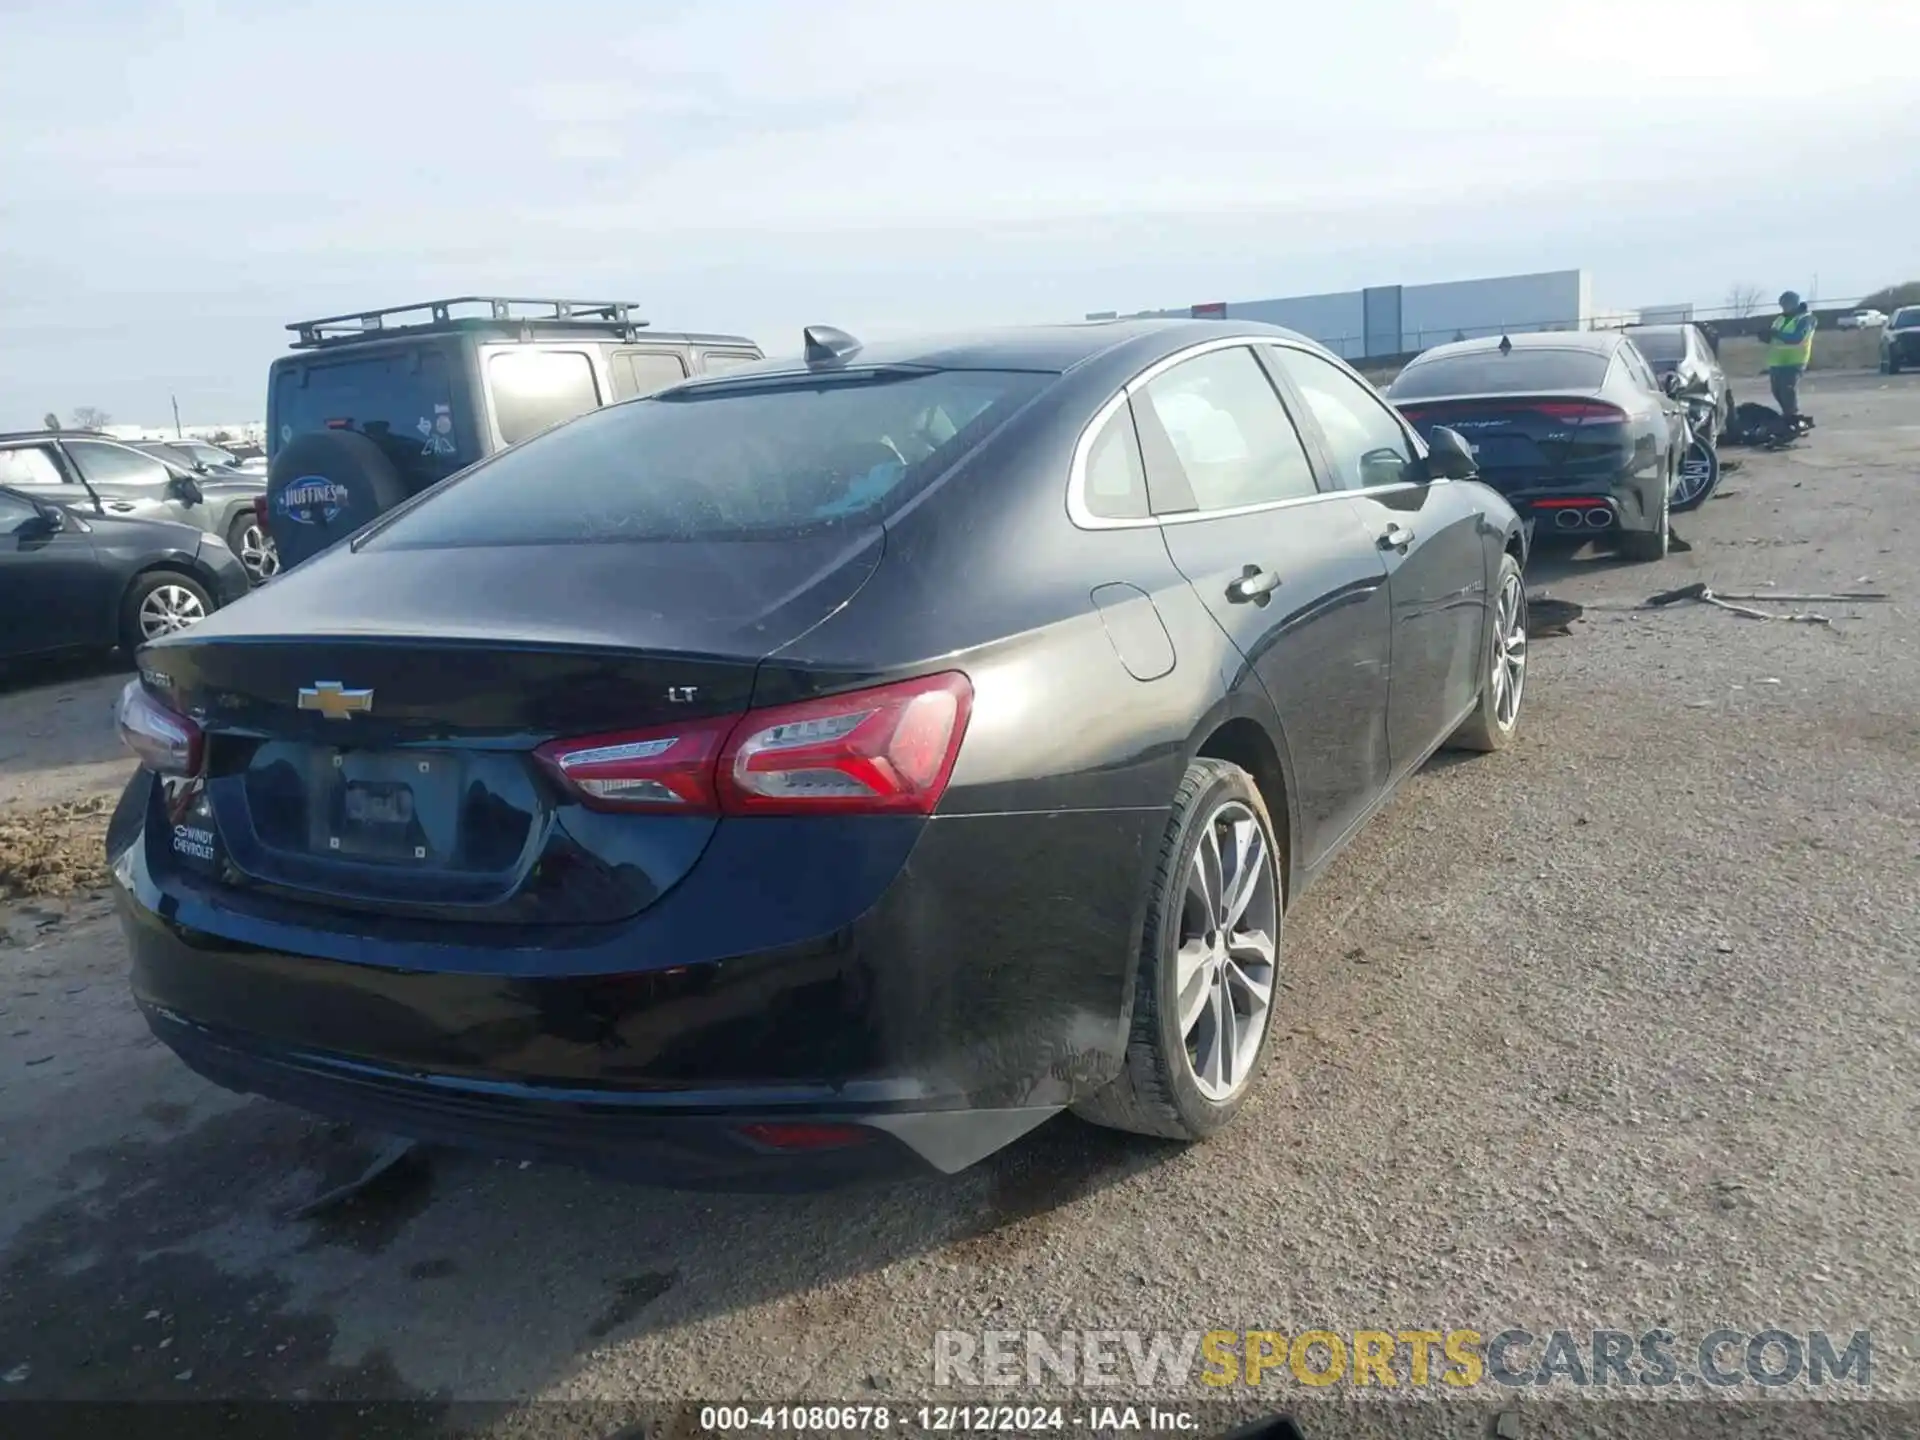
<point>390,1155</point>
<point>58,851</point>
<point>1548,616</point>
<point>1702,594</point>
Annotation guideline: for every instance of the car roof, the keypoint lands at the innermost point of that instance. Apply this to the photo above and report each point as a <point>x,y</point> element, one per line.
<point>1675,329</point>
<point>1053,349</point>
<point>59,435</point>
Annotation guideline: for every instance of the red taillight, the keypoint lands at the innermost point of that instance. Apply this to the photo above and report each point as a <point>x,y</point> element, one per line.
<point>887,750</point>
<point>165,742</point>
<point>669,769</point>
<point>805,1135</point>
<point>1580,412</point>
<point>1581,502</point>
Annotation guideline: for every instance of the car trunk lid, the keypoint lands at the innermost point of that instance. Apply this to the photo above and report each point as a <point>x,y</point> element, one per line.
<point>361,761</point>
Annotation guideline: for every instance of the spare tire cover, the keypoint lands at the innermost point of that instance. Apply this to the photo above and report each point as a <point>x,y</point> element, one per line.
<point>324,486</point>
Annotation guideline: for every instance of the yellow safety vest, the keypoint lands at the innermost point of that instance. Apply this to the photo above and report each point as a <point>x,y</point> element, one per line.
<point>1790,344</point>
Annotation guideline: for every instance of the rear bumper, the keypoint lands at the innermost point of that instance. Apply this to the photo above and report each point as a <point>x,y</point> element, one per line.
<point>603,1131</point>
<point>963,997</point>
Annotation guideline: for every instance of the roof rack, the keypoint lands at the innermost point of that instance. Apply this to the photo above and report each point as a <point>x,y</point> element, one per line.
<point>429,315</point>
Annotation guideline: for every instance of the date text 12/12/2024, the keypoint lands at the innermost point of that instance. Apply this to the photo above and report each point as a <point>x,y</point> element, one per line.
<point>944,1419</point>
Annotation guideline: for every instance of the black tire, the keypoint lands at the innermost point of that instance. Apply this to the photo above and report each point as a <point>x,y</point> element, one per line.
<point>1483,732</point>
<point>1646,546</point>
<point>1155,1092</point>
<point>132,632</point>
<point>324,486</point>
<point>1892,366</point>
<point>1701,453</point>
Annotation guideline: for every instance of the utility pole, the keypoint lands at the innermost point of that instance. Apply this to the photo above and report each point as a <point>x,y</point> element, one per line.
<point>176,415</point>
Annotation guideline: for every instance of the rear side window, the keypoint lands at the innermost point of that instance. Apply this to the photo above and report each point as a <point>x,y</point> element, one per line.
<point>534,390</point>
<point>641,372</point>
<point>1488,372</point>
<point>30,466</point>
<point>1116,480</point>
<point>715,361</point>
<point>752,458</point>
<point>1233,438</point>
<point>402,399</point>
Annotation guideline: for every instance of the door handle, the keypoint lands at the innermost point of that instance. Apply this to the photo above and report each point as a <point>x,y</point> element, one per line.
<point>1397,538</point>
<point>123,506</point>
<point>1254,585</point>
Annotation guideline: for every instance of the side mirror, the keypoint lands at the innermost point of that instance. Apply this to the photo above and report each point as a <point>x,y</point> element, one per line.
<point>1670,382</point>
<point>183,488</point>
<point>1449,457</point>
<point>39,526</point>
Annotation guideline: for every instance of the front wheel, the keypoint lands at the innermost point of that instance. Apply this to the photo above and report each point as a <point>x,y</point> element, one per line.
<point>1208,966</point>
<point>1699,476</point>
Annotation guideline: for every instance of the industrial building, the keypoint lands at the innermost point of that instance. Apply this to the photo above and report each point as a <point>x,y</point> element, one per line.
<point>1386,320</point>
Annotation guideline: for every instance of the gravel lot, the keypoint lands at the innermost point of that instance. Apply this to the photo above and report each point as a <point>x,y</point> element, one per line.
<point>1615,1029</point>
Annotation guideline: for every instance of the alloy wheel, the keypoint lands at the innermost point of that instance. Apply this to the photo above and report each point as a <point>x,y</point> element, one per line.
<point>258,554</point>
<point>169,609</point>
<point>1509,652</point>
<point>1695,471</point>
<point>1224,967</point>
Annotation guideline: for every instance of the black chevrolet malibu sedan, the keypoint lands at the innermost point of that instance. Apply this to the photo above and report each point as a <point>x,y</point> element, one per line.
<point>836,767</point>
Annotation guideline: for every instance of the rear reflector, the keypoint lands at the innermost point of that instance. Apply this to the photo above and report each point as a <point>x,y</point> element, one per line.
<point>886,750</point>
<point>164,742</point>
<point>805,1135</point>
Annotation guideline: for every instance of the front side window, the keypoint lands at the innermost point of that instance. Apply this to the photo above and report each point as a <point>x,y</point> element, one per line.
<point>1367,445</point>
<point>104,464</point>
<point>534,390</point>
<point>1229,431</point>
<point>15,512</point>
<point>735,459</point>
<point>31,466</point>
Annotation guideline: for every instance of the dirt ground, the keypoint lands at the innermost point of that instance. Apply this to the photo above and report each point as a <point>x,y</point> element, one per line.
<point>1616,1028</point>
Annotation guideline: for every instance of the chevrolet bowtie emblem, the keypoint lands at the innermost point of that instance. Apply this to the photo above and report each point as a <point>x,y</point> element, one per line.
<point>334,701</point>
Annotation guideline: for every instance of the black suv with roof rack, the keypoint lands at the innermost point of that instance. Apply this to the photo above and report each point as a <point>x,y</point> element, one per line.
<point>374,407</point>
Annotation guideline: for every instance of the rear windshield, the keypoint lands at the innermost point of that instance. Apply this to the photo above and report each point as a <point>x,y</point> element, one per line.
<point>401,398</point>
<point>1660,345</point>
<point>1488,372</point>
<point>1910,315</point>
<point>743,459</point>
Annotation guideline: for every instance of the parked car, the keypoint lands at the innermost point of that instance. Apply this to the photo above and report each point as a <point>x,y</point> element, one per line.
<point>1684,351</point>
<point>204,452</point>
<point>96,475</point>
<point>1862,320</point>
<point>1573,428</point>
<point>372,408</point>
<point>80,580</point>
<point>233,495</point>
<point>1900,341</point>
<point>834,767</point>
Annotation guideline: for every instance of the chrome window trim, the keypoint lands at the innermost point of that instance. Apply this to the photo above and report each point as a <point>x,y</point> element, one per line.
<point>1084,519</point>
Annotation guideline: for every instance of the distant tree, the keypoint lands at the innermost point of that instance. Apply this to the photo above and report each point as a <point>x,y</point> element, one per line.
<point>1893,297</point>
<point>90,417</point>
<point>1743,300</point>
<point>50,420</point>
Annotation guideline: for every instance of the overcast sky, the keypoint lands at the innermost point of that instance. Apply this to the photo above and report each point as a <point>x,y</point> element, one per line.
<point>178,181</point>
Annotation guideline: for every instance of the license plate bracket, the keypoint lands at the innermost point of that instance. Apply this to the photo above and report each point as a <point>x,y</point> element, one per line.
<point>390,808</point>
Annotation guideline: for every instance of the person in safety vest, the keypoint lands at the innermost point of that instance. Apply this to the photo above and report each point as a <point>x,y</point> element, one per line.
<point>1789,349</point>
